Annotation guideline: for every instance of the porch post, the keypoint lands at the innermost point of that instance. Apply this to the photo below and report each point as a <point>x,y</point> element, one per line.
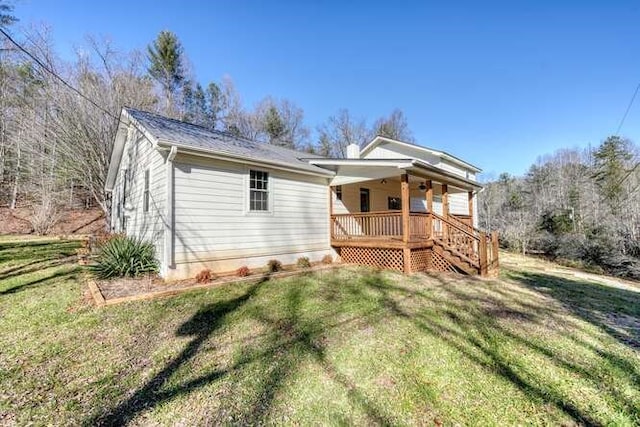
<point>445,201</point>
<point>406,203</point>
<point>445,209</point>
<point>471,208</point>
<point>482,249</point>
<point>429,196</point>
<point>494,250</point>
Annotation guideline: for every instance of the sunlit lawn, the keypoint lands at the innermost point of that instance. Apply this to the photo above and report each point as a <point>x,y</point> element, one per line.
<point>351,346</point>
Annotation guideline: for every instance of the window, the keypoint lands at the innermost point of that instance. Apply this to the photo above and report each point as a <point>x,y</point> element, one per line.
<point>118,202</point>
<point>338,192</point>
<point>258,191</point>
<point>145,195</point>
<point>394,203</point>
<point>125,179</point>
<point>364,200</point>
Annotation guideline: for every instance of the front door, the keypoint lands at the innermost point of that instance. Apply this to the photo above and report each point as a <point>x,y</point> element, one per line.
<point>364,200</point>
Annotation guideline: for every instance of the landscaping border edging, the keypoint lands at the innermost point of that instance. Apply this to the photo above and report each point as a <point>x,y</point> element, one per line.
<point>101,301</point>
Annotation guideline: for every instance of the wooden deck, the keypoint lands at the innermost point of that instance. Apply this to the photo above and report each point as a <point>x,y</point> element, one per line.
<point>414,242</point>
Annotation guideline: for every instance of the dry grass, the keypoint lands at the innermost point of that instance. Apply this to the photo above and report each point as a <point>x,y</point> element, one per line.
<point>351,346</point>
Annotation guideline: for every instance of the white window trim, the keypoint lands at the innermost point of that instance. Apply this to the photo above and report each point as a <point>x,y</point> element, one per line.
<point>247,192</point>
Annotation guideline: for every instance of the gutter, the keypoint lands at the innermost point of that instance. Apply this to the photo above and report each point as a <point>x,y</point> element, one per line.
<point>169,250</point>
<point>186,149</point>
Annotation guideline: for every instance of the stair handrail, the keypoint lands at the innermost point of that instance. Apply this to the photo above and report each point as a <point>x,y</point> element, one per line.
<point>464,224</point>
<point>463,229</point>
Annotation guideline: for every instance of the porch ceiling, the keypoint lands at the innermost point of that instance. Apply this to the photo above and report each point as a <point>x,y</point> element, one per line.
<point>350,171</point>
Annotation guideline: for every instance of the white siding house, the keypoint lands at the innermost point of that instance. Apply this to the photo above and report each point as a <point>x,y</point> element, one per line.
<point>190,191</point>
<point>215,226</point>
<point>207,199</point>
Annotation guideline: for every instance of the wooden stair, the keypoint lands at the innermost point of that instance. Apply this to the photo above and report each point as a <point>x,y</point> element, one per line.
<point>468,249</point>
<point>458,260</point>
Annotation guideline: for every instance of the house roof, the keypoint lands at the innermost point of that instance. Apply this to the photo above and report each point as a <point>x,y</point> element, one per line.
<point>165,132</point>
<point>439,153</point>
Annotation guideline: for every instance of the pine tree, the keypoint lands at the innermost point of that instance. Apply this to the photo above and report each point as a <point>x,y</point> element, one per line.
<point>166,66</point>
<point>610,163</point>
<point>217,104</point>
<point>6,18</point>
<point>275,127</point>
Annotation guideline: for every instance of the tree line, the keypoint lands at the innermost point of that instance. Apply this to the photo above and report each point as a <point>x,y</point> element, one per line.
<point>580,206</point>
<point>55,145</point>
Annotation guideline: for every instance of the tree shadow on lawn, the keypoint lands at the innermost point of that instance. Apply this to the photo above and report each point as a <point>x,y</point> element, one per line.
<point>202,325</point>
<point>56,274</point>
<point>477,334</point>
<point>37,251</point>
<point>614,310</point>
<point>289,340</point>
<point>33,266</point>
<point>465,319</point>
<point>295,339</point>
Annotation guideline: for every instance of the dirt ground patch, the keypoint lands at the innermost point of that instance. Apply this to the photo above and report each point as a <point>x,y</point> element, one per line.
<point>511,260</point>
<point>74,221</point>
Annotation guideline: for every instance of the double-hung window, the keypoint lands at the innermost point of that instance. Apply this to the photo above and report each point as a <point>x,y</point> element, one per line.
<point>258,191</point>
<point>145,195</point>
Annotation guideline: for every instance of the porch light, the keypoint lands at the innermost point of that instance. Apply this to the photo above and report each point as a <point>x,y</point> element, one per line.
<point>384,181</point>
<point>422,187</point>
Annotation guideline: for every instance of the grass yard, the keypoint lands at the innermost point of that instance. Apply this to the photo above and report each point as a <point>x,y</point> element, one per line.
<point>355,346</point>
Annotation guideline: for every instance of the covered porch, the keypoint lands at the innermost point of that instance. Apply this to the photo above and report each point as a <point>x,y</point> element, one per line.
<point>398,215</point>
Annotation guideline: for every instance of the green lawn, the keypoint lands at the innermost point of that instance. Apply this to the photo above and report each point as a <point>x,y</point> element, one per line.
<point>354,346</point>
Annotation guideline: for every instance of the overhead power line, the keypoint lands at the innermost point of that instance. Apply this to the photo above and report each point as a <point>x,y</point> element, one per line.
<point>624,117</point>
<point>54,74</point>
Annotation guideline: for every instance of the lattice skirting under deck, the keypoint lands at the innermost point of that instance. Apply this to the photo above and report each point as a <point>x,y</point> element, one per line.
<point>420,260</point>
<point>439,263</point>
<point>389,258</point>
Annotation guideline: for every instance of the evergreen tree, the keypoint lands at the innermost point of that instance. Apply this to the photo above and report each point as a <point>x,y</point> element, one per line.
<point>188,102</point>
<point>6,17</point>
<point>166,66</point>
<point>610,162</point>
<point>217,104</point>
<point>274,127</point>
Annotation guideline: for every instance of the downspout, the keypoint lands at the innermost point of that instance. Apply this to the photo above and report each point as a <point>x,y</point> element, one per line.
<point>169,219</point>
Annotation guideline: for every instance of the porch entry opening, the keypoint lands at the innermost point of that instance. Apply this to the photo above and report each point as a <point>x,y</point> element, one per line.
<point>365,205</point>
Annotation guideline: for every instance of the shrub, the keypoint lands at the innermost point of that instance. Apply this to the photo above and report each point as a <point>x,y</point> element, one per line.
<point>243,271</point>
<point>327,259</point>
<point>45,216</point>
<point>124,256</point>
<point>204,276</point>
<point>303,262</point>
<point>274,266</point>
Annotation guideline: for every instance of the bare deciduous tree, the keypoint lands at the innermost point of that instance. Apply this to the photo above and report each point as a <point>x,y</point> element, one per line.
<point>341,130</point>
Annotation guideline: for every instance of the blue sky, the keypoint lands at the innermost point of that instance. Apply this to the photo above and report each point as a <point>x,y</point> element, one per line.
<point>496,83</point>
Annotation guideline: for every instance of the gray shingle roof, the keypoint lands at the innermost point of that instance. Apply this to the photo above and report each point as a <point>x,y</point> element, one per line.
<point>171,131</point>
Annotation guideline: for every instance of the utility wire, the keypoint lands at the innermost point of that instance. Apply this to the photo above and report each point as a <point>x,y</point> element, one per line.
<point>54,74</point>
<point>624,117</point>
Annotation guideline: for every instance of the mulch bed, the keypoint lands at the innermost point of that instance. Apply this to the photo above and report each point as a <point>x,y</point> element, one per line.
<point>109,292</point>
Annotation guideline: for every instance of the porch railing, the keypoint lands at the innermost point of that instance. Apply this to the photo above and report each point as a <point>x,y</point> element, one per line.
<point>366,225</point>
